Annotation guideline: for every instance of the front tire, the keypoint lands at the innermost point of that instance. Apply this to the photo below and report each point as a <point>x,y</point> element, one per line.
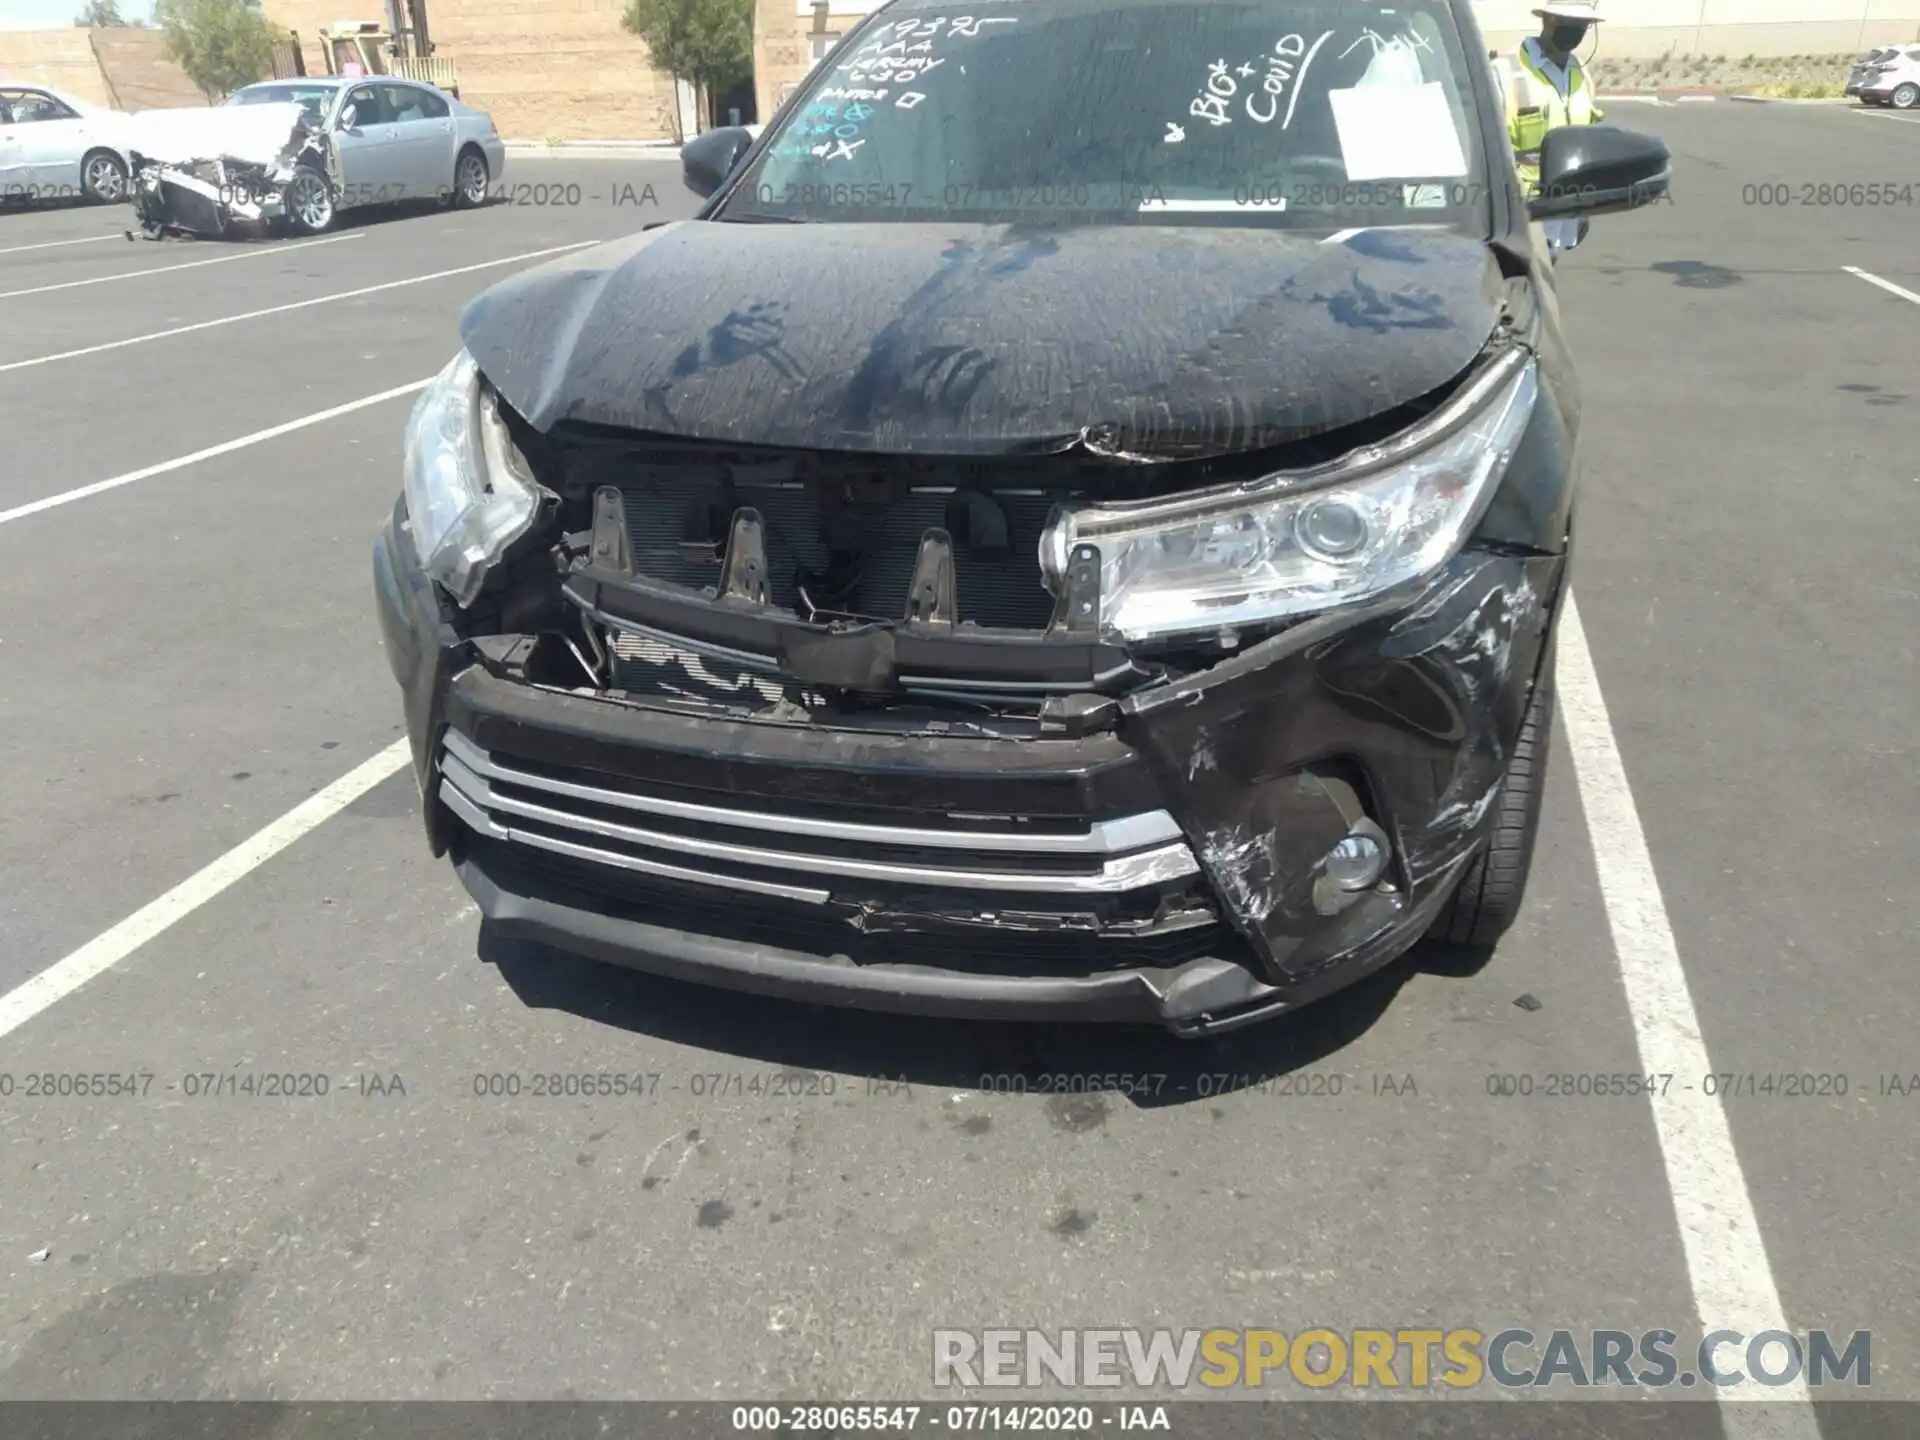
<point>1906,96</point>
<point>103,177</point>
<point>308,202</point>
<point>470,176</point>
<point>1487,900</point>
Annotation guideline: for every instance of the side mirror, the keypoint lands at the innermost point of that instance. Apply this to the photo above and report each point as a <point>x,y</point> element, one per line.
<point>1599,170</point>
<point>348,118</point>
<point>707,160</point>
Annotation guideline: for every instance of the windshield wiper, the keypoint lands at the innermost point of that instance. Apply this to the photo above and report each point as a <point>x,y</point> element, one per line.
<point>759,219</point>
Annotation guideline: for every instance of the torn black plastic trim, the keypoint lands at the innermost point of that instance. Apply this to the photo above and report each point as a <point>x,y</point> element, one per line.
<point>1412,705</point>
<point>882,656</point>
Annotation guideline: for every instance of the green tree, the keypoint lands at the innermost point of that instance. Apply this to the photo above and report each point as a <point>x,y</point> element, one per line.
<point>221,44</point>
<point>708,43</point>
<point>102,13</point>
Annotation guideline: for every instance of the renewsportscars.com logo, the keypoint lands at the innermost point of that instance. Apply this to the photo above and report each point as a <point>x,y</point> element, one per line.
<point>1409,1359</point>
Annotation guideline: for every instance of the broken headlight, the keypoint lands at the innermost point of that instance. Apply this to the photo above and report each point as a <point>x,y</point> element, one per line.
<point>469,492</point>
<point>1295,544</point>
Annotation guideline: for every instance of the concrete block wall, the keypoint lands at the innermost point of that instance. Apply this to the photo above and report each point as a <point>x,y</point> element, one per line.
<point>1733,28</point>
<point>783,45</point>
<point>126,69</point>
<point>781,57</point>
<point>63,59</point>
<point>544,69</point>
<point>138,72</point>
<point>564,69</point>
<point>561,69</point>
<point>305,17</point>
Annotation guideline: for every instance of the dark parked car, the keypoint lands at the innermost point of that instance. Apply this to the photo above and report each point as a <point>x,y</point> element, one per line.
<point>1073,529</point>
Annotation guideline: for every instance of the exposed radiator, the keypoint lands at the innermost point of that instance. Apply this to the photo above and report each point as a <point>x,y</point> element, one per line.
<point>1001,590</point>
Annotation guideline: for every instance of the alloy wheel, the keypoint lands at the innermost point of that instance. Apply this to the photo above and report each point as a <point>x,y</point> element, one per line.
<point>473,179</point>
<point>105,179</point>
<point>309,201</point>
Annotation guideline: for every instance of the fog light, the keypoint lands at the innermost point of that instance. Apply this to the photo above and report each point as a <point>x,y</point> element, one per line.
<point>1351,870</point>
<point>1355,863</point>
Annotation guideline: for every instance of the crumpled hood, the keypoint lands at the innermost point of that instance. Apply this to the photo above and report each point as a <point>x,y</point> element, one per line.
<point>253,134</point>
<point>1155,342</point>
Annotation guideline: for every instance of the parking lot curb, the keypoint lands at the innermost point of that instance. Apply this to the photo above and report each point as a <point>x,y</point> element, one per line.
<point>588,147</point>
<point>1652,97</point>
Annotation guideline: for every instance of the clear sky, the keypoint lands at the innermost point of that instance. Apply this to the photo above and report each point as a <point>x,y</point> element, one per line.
<point>55,14</point>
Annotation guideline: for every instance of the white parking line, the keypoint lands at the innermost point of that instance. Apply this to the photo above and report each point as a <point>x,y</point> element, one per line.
<point>1886,285</point>
<point>332,299</point>
<point>1733,1285</point>
<point>1882,115</point>
<point>248,254</point>
<point>225,447</point>
<point>1731,1278</point>
<point>119,235</point>
<point>99,955</point>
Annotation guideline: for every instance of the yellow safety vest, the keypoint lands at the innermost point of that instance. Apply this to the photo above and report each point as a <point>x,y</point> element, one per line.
<point>1528,123</point>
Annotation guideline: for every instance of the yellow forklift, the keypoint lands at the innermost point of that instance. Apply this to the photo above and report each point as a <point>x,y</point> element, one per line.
<point>397,45</point>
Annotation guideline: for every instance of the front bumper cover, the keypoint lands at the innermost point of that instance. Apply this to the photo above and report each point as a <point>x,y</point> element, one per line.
<point>1409,707</point>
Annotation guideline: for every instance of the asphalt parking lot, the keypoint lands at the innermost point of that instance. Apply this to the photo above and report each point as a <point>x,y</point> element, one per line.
<point>190,665</point>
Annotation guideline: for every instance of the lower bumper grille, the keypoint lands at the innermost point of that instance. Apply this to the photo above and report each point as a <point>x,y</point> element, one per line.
<point>817,930</point>
<point>611,822</point>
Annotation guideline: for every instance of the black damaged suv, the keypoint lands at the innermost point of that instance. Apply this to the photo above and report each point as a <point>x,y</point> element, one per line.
<point>1073,529</point>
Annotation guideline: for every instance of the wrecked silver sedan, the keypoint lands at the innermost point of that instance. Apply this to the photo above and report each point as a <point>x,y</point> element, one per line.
<point>292,155</point>
<point>1074,529</point>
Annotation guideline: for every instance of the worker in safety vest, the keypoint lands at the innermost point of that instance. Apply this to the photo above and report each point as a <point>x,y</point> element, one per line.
<point>1551,90</point>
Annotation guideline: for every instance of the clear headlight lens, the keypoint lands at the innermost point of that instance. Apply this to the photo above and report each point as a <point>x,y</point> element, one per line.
<point>469,491</point>
<point>1222,561</point>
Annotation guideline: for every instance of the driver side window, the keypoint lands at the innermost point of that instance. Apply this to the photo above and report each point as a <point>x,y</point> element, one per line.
<point>364,102</point>
<point>19,107</point>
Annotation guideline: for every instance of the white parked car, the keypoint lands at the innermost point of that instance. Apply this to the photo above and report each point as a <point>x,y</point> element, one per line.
<point>54,145</point>
<point>1894,79</point>
<point>1866,65</point>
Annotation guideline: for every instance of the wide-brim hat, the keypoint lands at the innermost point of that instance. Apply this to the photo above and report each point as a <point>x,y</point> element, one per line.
<point>1580,10</point>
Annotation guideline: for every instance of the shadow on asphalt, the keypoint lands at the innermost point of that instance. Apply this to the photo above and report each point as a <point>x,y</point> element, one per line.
<point>960,1054</point>
<point>363,217</point>
<point>17,204</point>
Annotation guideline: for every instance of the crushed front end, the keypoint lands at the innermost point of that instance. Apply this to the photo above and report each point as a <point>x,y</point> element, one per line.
<point>922,735</point>
<point>204,173</point>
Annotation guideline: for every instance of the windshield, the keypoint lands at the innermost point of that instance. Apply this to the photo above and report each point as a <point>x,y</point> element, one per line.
<point>314,98</point>
<point>1323,114</point>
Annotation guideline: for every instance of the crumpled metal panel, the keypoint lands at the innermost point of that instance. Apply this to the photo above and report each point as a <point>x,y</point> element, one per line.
<point>251,134</point>
<point>1419,707</point>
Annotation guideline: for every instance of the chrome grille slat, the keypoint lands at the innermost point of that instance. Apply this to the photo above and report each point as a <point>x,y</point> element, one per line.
<point>1107,837</point>
<point>485,824</point>
<point>471,781</point>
